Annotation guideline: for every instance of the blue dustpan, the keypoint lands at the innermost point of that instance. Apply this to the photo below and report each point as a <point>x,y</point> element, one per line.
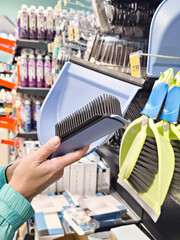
<point>164,38</point>
<point>75,87</point>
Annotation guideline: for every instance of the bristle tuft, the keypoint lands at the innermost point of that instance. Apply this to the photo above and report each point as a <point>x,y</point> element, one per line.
<point>101,106</point>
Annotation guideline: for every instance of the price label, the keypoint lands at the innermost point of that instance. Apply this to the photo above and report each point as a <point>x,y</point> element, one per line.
<point>50,47</point>
<point>76,33</point>
<point>63,37</point>
<point>135,64</point>
<point>56,9</point>
<point>70,33</point>
<point>59,5</point>
<point>57,41</point>
<point>65,2</point>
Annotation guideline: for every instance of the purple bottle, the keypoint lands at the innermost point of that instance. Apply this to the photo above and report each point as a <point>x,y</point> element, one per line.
<point>41,23</point>
<point>32,22</point>
<point>32,71</point>
<point>39,71</point>
<point>18,23</point>
<point>47,72</point>
<point>49,24</point>
<point>24,71</point>
<point>24,32</point>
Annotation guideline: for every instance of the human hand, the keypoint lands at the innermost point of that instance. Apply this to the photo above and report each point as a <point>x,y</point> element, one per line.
<point>35,173</point>
<point>10,170</point>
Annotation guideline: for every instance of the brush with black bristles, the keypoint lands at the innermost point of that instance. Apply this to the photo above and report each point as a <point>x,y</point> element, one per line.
<point>175,184</point>
<point>146,167</point>
<point>97,119</point>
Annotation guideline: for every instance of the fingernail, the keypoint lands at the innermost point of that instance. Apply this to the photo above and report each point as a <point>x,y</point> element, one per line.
<point>55,141</point>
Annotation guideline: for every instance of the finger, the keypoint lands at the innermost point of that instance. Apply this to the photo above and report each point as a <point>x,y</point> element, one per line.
<point>70,157</point>
<point>46,150</point>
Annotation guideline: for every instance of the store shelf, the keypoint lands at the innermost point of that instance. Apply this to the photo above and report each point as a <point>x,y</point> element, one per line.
<point>35,44</point>
<point>26,43</point>
<point>31,135</point>
<point>41,92</point>
<point>6,72</point>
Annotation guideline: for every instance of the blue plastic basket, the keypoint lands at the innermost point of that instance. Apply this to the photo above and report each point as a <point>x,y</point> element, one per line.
<point>75,87</point>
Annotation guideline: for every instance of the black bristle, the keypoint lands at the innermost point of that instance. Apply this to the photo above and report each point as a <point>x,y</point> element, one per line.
<point>175,184</point>
<point>102,106</point>
<point>146,167</point>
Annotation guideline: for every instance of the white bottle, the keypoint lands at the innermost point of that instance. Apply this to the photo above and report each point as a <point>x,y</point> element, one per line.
<point>32,22</point>
<point>47,72</point>
<point>40,71</point>
<point>24,71</point>
<point>18,24</point>
<point>41,23</point>
<point>32,71</point>
<point>24,22</point>
<point>49,24</point>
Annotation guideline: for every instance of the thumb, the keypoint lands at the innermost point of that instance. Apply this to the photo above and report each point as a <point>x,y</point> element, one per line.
<point>46,150</point>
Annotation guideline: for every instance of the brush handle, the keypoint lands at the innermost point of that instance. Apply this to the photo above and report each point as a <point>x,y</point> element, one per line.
<point>172,105</point>
<point>155,101</point>
<point>158,94</point>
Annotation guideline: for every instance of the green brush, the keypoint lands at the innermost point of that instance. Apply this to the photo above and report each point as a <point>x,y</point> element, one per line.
<point>139,166</point>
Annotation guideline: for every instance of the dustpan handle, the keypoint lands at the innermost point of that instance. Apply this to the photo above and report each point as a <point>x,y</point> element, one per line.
<point>158,94</point>
<point>172,105</point>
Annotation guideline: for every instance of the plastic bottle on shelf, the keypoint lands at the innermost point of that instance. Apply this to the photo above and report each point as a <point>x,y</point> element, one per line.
<point>41,23</point>
<point>37,106</point>
<point>18,25</point>
<point>47,72</point>
<point>2,95</point>
<point>49,24</point>
<point>24,71</point>
<point>24,32</point>
<point>18,71</point>
<point>57,44</point>
<point>32,71</point>
<point>32,22</point>
<point>27,115</point>
<point>39,71</point>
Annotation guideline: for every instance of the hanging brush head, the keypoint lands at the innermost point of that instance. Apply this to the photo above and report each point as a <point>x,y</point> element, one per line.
<point>101,107</point>
<point>100,117</point>
<point>146,167</point>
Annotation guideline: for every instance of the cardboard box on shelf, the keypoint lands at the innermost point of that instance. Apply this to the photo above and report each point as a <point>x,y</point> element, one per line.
<point>128,232</point>
<point>48,226</point>
<point>63,183</point>
<point>90,176</point>
<point>77,178</point>
<point>103,177</point>
<point>102,207</point>
<point>47,204</point>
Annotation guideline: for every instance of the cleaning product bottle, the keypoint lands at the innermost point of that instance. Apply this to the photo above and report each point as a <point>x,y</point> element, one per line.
<point>18,24</point>
<point>37,106</point>
<point>41,23</point>
<point>32,22</point>
<point>39,71</point>
<point>47,72</point>
<point>49,24</point>
<point>55,53</point>
<point>24,22</point>
<point>18,71</point>
<point>32,71</point>
<point>27,115</point>
<point>24,71</point>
